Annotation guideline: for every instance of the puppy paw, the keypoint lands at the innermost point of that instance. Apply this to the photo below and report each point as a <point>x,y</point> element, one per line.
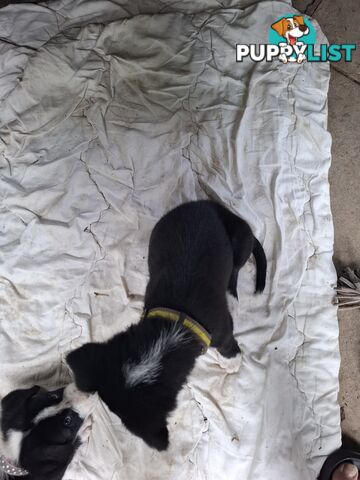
<point>83,403</point>
<point>301,58</point>
<point>283,58</point>
<point>230,365</point>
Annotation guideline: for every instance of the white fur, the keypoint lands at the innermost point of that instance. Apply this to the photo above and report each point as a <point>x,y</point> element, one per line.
<point>11,447</point>
<point>148,368</point>
<point>78,401</point>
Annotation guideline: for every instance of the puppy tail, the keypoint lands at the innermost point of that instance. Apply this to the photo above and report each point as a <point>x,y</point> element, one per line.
<point>261,265</point>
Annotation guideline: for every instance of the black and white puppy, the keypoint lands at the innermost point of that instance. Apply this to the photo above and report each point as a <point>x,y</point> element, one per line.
<point>39,432</point>
<point>195,253</point>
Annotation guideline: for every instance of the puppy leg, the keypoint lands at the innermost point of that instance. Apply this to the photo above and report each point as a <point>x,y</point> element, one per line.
<point>229,347</point>
<point>242,241</point>
<point>243,245</point>
<point>233,281</point>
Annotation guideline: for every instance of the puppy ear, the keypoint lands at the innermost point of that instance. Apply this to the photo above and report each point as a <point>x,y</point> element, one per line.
<point>15,411</point>
<point>299,19</point>
<point>85,362</point>
<point>280,26</point>
<point>158,438</point>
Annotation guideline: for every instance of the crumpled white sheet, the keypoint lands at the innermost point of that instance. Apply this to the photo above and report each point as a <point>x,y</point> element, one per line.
<point>112,113</point>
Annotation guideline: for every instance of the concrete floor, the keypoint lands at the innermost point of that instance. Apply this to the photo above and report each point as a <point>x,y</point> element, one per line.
<point>340,21</point>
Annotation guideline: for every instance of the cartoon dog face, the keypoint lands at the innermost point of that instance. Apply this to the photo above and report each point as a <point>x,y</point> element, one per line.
<point>291,28</point>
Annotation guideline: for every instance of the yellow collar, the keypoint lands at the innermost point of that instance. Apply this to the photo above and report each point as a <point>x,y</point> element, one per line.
<point>189,323</point>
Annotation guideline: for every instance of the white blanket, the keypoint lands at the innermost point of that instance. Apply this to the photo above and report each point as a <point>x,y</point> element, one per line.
<point>112,113</point>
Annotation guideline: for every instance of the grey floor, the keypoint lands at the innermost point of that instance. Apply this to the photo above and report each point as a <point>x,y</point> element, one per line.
<point>340,21</point>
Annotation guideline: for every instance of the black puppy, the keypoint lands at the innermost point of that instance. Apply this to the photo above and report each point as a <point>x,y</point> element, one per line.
<point>38,433</point>
<point>195,254</point>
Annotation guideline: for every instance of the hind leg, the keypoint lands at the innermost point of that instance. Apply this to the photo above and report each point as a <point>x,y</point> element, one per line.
<point>242,248</point>
<point>242,243</point>
<point>229,347</point>
<point>232,287</point>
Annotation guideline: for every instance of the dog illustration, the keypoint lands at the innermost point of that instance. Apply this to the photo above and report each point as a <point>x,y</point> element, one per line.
<point>291,29</point>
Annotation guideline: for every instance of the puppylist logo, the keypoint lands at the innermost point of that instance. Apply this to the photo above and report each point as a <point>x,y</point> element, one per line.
<point>292,40</point>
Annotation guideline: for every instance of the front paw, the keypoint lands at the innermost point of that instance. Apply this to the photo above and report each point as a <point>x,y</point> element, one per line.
<point>301,58</point>
<point>232,364</point>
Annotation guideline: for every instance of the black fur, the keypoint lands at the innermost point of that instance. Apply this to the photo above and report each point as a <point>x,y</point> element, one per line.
<point>20,407</point>
<point>195,254</point>
<point>47,446</point>
<point>143,408</point>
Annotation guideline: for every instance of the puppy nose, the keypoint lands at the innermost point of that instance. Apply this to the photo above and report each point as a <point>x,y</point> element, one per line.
<point>303,28</point>
<point>57,394</point>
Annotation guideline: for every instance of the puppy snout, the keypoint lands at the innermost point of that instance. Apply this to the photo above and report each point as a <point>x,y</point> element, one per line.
<point>303,28</point>
<point>57,394</point>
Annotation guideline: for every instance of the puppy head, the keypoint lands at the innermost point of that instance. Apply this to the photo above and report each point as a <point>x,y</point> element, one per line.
<point>134,380</point>
<point>143,416</point>
<point>291,28</point>
<point>20,407</point>
<point>86,364</point>
<point>39,430</point>
<point>50,446</point>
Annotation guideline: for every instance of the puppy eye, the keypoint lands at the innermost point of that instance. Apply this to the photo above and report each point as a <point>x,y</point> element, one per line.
<point>54,396</point>
<point>289,27</point>
<point>67,421</point>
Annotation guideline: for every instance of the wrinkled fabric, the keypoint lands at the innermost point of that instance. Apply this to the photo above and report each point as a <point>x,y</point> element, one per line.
<point>111,114</point>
